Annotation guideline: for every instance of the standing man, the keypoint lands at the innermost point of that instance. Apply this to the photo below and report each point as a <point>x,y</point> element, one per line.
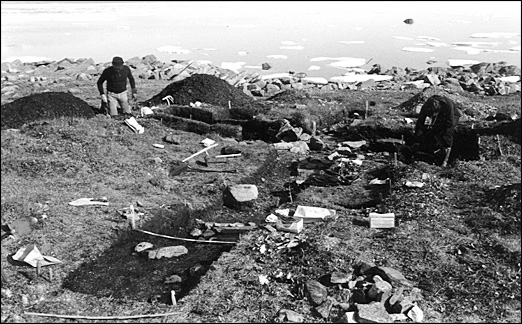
<point>444,116</point>
<point>116,77</point>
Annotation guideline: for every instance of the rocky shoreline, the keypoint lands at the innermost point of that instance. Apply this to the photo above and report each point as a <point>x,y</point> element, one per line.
<point>483,78</point>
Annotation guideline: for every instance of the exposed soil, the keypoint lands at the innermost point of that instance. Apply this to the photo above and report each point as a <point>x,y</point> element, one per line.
<point>203,88</point>
<point>459,209</point>
<point>47,105</point>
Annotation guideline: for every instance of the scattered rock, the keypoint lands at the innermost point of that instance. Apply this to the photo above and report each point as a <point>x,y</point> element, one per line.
<point>168,252</point>
<point>240,196</point>
<point>373,312</point>
<point>315,292</point>
<point>290,316</point>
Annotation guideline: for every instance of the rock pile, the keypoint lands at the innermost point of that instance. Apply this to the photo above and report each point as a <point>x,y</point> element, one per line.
<point>45,105</point>
<point>483,78</point>
<point>362,293</point>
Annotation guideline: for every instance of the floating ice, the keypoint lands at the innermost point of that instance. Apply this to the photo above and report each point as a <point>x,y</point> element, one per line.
<point>207,49</point>
<point>314,68</point>
<point>351,78</point>
<point>417,49</point>
<point>436,44</point>
<point>428,38</point>
<point>516,48</point>
<point>172,50</point>
<point>402,37</point>
<point>252,66</point>
<point>234,66</point>
<point>352,42</point>
<point>477,44</point>
<point>278,56</point>
<point>242,53</point>
<point>294,47</point>
<point>316,80</point>
<point>494,35</point>
<point>291,43</point>
<point>456,62</point>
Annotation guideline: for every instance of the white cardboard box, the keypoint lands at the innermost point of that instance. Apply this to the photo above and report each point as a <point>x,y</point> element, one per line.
<point>382,220</point>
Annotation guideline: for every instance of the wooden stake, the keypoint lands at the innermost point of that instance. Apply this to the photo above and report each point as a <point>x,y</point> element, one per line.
<point>50,274</point>
<point>229,105</point>
<point>133,219</point>
<point>173,297</point>
<point>314,128</point>
<point>499,147</point>
<point>366,112</point>
<point>395,158</point>
<point>38,268</point>
<point>199,152</point>
<point>290,193</point>
<point>389,182</point>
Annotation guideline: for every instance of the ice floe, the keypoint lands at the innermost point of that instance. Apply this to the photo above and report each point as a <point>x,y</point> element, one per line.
<point>314,68</point>
<point>252,67</point>
<point>477,44</point>
<point>172,50</point>
<point>278,56</point>
<point>352,77</point>
<point>242,53</point>
<point>417,49</point>
<point>292,47</point>
<point>234,66</point>
<point>290,43</point>
<point>494,35</point>
<point>428,38</point>
<point>402,38</point>
<point>207,49</point>
<point>315,80</point>
<point>436,44</point>
<point>516,48</point>
<point>457,62</point>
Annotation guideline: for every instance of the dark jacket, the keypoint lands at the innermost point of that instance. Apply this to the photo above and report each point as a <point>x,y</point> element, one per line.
<point>443,121</point>
<point>116,80</point>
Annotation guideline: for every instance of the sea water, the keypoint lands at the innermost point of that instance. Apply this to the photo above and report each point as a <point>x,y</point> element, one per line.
<point>320,38</point>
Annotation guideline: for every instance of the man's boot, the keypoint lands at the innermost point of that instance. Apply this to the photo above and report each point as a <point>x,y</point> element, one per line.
<point>446,157</point>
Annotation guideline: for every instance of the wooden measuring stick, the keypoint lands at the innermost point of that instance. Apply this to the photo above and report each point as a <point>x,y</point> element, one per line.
<point>173,297</point>
<point>133,219</point>
<point>366,111</point>
<point>199,152</point>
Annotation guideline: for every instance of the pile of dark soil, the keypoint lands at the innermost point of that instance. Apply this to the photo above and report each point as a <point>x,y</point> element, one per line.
<point>204,88</point>
<point>291,96</point>
<point>45,105</point>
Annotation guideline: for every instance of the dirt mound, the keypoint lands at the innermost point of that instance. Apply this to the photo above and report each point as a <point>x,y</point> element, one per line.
<point>472,109</point>
<point>204,88</point>
<point>45,105</point>
<point>291,96</point>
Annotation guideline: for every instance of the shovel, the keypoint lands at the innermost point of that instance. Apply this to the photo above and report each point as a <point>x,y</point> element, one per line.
<point>183,166</point>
